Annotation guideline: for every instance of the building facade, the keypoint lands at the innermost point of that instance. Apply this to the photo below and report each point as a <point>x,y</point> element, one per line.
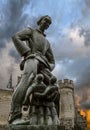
<point>5,103</point>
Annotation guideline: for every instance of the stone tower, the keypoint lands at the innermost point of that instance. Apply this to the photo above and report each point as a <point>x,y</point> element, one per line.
<point>9,85</point>
<point>67,104</point>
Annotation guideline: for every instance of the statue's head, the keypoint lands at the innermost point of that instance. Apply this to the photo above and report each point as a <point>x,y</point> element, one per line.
<point>53,80</point>
<point>39,77</point>
<point>44,21</point>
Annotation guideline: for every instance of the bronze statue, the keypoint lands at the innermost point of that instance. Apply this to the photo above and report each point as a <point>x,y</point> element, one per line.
<point>42,102</point>
<point>38,59</point>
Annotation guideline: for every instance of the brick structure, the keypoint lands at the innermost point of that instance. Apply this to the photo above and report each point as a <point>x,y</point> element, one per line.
<point>67,104</point>
<point>5,101</point>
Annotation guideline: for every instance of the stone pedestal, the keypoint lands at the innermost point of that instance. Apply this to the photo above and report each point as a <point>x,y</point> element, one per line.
<point>32,127</point>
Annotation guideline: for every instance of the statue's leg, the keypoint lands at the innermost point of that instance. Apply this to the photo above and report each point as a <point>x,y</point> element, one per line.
<point>48,117</point>
<point>41,120</point>
<point>47,75</point>
<point>55,116</point>
<point>33,115</point>
<point>19,94</point>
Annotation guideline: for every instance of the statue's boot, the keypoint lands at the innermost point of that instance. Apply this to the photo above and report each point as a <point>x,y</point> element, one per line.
<point>21,122</point>
<point>18,97</point>
<point>15,114</point>
<point>15,119</point>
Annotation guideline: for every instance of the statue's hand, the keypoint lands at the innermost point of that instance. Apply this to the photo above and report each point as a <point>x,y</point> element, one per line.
<point>25,102</point>
<point>52,96</point>
<point>22,65</point>
<point>39,95</point>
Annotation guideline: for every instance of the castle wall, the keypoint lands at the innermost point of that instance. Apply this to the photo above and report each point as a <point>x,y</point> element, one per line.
<point>67,104</point>
<point>5,101</point>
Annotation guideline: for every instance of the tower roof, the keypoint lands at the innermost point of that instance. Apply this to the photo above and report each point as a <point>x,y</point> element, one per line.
<point>66,83</point>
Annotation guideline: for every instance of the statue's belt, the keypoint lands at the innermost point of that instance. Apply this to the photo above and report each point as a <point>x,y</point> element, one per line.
<point>39,57</point>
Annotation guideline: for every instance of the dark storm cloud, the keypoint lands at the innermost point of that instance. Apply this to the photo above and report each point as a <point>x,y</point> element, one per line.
<point>80,70</point>
<point>87,37</point>
<point>2,43</point>
<point>15,55</point>
<point>86,105</point>
<point>88,2</point>
<point>85,31</point>
<point>84,79</point>
<point>12,18</point>
<point>83,85</point>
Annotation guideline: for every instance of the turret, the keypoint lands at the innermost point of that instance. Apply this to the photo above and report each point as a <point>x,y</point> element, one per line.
<point>66,84</point>
<point>66,104</point>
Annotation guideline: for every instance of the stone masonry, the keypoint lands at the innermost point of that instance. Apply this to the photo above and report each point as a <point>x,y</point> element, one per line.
<point>67,104</point>
<point>5,101</point>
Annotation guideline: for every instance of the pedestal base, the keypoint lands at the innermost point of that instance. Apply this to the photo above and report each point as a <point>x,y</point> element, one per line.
<point>32,127</point>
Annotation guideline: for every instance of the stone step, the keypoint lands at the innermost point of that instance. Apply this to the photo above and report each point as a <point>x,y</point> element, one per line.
<point>32,127</point>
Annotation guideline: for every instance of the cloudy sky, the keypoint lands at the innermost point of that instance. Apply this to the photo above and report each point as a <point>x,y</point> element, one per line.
<point>69,36</point>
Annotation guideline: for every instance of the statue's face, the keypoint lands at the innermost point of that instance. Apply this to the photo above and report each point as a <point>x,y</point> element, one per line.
<point>45,22</point>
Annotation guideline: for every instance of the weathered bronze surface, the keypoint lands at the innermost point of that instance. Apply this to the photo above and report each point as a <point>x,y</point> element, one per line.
<point>33,102</point>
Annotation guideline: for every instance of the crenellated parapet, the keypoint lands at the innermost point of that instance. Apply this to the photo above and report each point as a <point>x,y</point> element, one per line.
<point>66,83</point>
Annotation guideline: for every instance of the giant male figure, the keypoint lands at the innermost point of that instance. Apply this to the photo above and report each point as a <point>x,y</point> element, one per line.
<point>38,58</point>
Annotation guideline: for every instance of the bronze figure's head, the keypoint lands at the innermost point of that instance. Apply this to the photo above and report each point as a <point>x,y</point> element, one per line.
<point>44,21</point>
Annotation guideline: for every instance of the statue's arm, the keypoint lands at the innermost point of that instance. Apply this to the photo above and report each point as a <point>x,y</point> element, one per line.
<point>18,39</point>
<point>28,93</point>
<point>53,96</point>
<point>47,92</point>
<point>50,58</point>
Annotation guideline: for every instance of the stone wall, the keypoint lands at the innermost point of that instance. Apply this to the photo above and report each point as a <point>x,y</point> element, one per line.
<point>67,105</point>
<point>5,103</point>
